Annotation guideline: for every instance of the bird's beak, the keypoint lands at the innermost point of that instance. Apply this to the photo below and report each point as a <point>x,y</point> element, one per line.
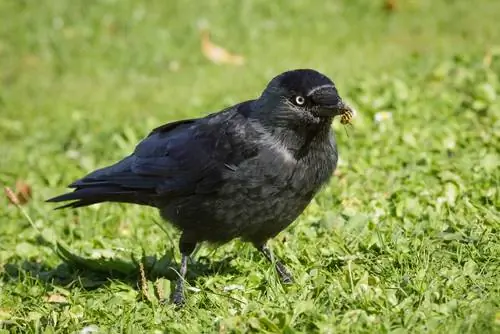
<point>329,101</point>
<point>342,108</point>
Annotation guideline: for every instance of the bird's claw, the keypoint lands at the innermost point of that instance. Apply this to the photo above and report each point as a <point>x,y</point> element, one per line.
<point>284,274</point>
<point>286,280</point>
<point>178,298</point>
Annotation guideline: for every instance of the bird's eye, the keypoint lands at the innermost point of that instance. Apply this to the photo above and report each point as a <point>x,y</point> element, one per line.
<point>299,100</point>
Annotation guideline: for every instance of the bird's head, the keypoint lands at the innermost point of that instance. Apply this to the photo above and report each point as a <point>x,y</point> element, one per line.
<point>299,98</point>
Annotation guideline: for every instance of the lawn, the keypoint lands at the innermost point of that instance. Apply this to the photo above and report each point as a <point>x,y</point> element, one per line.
<point>404,239</point>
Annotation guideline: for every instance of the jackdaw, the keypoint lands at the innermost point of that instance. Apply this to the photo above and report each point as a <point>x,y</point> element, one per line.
<point>246,172</point>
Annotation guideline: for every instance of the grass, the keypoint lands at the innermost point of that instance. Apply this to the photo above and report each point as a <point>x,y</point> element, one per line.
<point>406,237</point>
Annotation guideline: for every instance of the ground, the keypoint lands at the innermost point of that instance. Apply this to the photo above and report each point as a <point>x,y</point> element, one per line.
<point>405,238</point>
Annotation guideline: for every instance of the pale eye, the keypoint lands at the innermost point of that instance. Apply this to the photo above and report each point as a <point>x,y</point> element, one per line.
<point>299,100</point>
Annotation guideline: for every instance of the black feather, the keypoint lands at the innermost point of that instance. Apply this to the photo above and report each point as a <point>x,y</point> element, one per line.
<point>301,81</point>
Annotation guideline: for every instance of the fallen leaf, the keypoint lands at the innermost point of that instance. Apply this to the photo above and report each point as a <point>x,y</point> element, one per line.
<point>23,191</point>
<point>217,54</point>
<point>390,5</point>
<point>56,298</point>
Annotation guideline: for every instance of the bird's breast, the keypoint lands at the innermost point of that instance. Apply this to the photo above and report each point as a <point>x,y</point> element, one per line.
<point>276,171</point>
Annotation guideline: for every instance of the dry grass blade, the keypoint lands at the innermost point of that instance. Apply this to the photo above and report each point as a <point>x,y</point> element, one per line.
<point>160,293</point>
<point>11,196</point>
<point>143,283</point>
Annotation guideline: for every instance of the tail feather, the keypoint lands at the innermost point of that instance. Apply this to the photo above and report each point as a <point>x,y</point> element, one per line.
<point>78,204</point>
<point>89,193</point>
<point>92,195</point>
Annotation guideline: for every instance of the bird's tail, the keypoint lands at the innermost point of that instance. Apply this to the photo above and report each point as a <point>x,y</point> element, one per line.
<point>92,195</point>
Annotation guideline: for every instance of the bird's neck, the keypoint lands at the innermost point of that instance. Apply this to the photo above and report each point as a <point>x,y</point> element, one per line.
<point>298,140</point>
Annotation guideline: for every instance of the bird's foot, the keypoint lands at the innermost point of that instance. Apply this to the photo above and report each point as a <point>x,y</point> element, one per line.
<point>285,275</point>
<point>283,272</point>
<point>178,295</point>
<point>178,300</point>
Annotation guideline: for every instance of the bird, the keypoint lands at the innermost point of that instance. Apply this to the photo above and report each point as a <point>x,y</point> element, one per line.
<point>245,172</point>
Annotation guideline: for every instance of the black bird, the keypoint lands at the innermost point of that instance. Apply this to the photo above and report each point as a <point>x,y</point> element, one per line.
<point>245,172</point>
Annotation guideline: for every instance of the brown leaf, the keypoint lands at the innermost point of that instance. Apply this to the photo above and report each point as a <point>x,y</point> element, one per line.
<point>23,191</point>
<point>217,54</point>
<point>56,299</point>
<point>390,5</point>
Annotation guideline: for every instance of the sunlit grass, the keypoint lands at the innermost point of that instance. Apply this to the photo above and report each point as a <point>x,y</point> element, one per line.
<point>404,239</point>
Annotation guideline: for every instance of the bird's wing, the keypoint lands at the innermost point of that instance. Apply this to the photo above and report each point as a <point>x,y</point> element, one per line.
<point>180,157</point>
<point>181,160</point>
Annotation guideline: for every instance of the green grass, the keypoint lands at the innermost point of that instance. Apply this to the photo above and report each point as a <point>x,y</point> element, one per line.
<point>406,238</point>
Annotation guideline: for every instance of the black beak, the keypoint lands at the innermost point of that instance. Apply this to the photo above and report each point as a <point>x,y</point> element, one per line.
<point>329,102</point>
<point>341,108</point>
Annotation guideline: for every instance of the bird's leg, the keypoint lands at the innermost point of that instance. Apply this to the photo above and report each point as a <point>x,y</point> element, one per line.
<point>283,272</point>
<point>186,249</point>
<point>178,295</point>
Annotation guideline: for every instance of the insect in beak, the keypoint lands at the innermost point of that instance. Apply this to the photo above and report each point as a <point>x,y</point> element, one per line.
<point>346,118</point>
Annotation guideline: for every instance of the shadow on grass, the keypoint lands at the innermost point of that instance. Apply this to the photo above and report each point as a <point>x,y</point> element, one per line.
<point>89,273</point>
